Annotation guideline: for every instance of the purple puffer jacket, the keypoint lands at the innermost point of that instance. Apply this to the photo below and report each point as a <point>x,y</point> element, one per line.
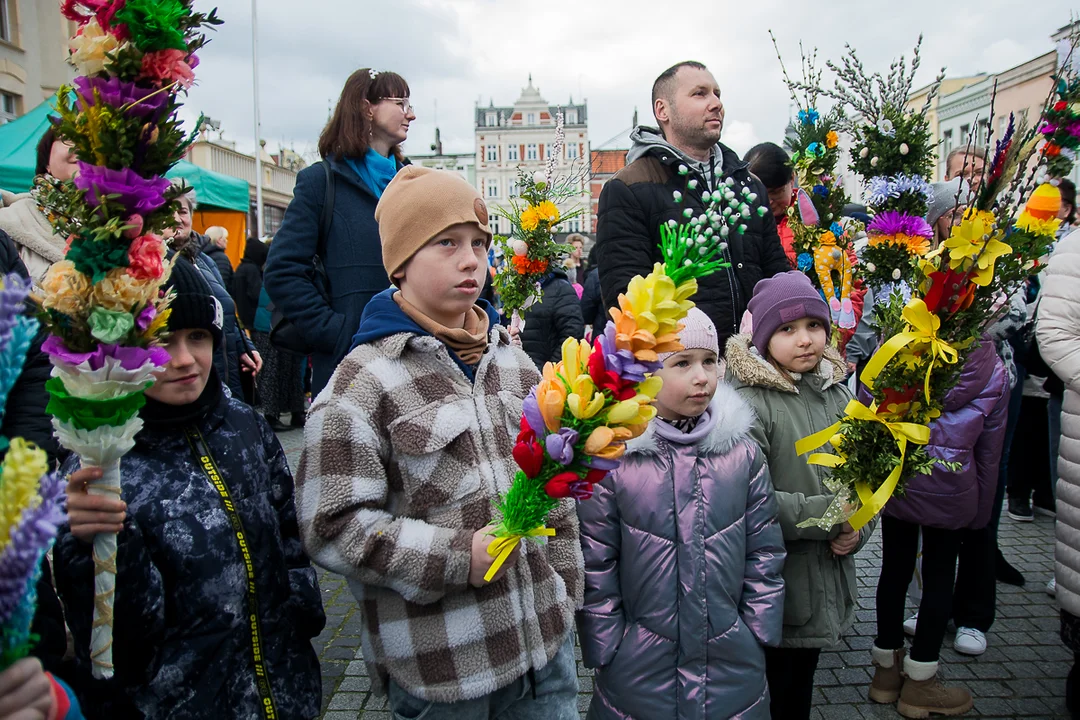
<point>970,431</point>
<point>683,573</point>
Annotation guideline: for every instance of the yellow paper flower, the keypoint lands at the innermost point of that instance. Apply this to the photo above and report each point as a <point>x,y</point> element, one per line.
<point>24,465</point>
<point>584,402</point>
<point>966,246</point>
<point>650,387</point>
<point>90,47</point>
<point>66,289</point>
<point>551,397</point>
<point>654,302</point>
<point>608,442</point>
<point>158,323</point>
<point>548,211</point>
<point>832,139</point>
<point>530,218</point>
<point>1035,226</point>
<point>120,292</point>
<point>575,359</point>
<point>622,413</point>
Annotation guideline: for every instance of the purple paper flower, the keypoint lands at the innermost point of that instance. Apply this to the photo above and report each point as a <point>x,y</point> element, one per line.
<point>136,193</point>
<point>598,463</point>
<point>131,358</point>
<point>622,362</point>
<point>29,541</point>
<point>144,318</point>
<point>560,445</point>
<point>531,410</point>
<point>139,101</point>
<point>581,490</point>
<point>12,303</point>
<point>892,222</point>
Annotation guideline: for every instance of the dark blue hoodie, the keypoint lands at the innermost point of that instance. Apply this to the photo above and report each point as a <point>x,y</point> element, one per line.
<point>383,317</point>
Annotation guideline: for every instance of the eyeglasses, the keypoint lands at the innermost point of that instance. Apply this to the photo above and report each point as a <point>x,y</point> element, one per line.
<point>403,103</point>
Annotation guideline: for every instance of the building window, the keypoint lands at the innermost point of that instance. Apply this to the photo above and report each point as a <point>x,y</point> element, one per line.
<point>947,145</point>
<point>493,224</point>
<point>512,189</point>
<point>530,119</point>
<point>5,21</point>
<point>492,188</point>
<point>490,119</point>
<point>571,117</point>
<point>8,105</point>
<point>530,151</point>
<point>512,153</point>
<point>965,133</point>
<point>492,153</point>
<point>571,151</point>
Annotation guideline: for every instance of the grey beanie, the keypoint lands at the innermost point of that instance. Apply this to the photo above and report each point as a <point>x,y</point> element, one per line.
<point>945,198</point>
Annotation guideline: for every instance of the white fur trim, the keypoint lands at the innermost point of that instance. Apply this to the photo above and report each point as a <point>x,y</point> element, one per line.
<point>884,658</point>
<point>734,418</point>
<point>919,671</point>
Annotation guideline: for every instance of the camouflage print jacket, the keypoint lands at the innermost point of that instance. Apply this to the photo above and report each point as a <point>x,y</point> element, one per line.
<point>403,457</point>
<point>182,636</point>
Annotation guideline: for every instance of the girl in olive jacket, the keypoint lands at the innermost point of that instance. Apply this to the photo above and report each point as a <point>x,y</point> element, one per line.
<point>795,383</point>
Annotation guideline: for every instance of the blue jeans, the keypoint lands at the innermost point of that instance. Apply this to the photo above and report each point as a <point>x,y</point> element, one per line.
<point>546,694</point>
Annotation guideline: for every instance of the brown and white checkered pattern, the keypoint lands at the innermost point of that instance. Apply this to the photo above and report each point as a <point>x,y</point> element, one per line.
<point>402,459</point>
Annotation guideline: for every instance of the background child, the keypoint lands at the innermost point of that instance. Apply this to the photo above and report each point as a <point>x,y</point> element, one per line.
<point>683,555</point>
<point>405,451</point>
<point>795,383</point>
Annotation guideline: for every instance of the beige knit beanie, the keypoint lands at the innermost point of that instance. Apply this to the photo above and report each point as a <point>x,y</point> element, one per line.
<point>698,333</point>
<point>418,204</point>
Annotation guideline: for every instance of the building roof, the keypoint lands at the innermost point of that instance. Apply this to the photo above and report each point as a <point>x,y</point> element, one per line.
<point>530,101</point>
<point>608,162</point>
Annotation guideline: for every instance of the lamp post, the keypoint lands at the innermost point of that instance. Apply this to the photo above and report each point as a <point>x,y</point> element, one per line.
<point>258,133</point>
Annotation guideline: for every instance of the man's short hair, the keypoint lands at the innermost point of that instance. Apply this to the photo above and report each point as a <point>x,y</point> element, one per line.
<point>664,85</point>
<point>973,151</point>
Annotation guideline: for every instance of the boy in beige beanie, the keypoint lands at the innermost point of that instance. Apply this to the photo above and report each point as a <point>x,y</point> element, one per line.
<point>406,450</point>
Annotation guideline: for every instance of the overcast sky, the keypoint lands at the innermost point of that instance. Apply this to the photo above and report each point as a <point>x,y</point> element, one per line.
<point>457,52</point>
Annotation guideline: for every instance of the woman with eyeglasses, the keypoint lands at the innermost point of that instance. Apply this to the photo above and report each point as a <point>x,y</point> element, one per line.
<point>326,259</point>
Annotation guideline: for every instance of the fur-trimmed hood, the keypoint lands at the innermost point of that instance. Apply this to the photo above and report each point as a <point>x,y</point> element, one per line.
<point>21,219</point>
<point>727,423</point>
<point>748,367</point>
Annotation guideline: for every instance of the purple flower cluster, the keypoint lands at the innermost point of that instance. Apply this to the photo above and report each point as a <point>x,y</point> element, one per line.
<point>892,222</point>
<point>136,193</point>
<point>622,362</point>
<point>12,303</point>
<point>882,188</point>
<point>137,101</point>
<point>29,541</point>
<point>131,358</point>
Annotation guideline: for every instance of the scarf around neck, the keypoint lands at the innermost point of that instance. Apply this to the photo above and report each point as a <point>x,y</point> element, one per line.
<point>374,170</point>
<point>468,343</point>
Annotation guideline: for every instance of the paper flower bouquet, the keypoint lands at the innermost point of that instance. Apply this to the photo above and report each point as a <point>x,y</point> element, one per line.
<point>576,422</point>
<point>103,302</point>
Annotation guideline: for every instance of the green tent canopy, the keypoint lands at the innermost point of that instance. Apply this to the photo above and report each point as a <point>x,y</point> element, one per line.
<point>18,159</point>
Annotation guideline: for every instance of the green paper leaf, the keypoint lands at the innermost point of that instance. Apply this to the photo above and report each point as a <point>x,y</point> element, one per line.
<point>88,413</point>
<point>95,258</point>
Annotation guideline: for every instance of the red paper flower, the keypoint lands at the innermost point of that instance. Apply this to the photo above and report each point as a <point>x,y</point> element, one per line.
<point>569,484</point>
<point>607,380</point>
<point>169,65</point>
<point>530,457</point>
<point>949,291</point>
<point>145,258</point>
<point>1060,105</point>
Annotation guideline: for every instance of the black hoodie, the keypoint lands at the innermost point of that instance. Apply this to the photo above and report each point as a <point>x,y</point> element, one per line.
<point>639,199</point>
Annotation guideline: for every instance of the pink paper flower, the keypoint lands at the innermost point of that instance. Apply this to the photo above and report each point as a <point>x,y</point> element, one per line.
<point>145,258</point>
<point>169,65</point>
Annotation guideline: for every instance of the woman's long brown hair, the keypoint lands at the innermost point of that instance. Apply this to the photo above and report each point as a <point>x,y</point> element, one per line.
<point>349,130</point>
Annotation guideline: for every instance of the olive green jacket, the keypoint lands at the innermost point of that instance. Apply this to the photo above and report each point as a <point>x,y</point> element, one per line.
<point>819,606</point>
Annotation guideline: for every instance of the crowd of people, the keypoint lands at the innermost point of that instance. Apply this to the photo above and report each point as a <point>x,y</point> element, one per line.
<point>694,584</point>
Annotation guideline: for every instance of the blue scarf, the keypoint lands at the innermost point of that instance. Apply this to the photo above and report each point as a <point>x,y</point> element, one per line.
<point>374,170</point>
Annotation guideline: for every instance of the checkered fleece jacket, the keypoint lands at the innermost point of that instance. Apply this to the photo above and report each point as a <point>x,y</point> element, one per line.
<point>402,459</point>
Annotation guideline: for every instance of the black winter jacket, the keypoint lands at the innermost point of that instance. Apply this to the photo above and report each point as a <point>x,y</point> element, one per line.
<point>24,414</point>
<point>593,310</point>
<point>224,265</point>
<point>352,256</point>
<point>182,643</point>
<point>549,322</point>
<point>639,199</point>
<point>247,282</point>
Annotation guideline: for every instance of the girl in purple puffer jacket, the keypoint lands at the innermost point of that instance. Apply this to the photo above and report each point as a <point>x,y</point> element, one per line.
<point>952,510</point>
<point>683,556</point>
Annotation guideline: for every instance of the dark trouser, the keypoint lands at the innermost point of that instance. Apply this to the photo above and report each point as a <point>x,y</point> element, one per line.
<point>1029,457</point>
<point>899,547</point>
<point>1015,398</point>
<point>790,672</point>
<point>976,580</point>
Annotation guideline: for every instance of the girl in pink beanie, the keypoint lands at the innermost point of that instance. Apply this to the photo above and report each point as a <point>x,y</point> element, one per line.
<point>794,381</point>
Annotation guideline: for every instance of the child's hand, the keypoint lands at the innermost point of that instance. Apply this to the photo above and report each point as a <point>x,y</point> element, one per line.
<point>846,542</point>
<point>25,692</point>
<point>481,560</point>
<point>88,514</point>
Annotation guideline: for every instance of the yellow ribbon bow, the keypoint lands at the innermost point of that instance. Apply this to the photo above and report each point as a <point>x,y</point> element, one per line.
<point>923,327</point>
<point>902,432</point>
<point>501,547</point>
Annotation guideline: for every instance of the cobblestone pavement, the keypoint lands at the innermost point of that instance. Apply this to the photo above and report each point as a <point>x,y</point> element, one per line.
<point>1022,673</point>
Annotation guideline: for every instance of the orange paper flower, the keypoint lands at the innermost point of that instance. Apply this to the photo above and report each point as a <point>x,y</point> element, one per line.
<point>524,265</point>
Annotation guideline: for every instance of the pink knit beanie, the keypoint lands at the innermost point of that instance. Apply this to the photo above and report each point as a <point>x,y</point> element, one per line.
<point>698,333</point>
<point>783,298</point>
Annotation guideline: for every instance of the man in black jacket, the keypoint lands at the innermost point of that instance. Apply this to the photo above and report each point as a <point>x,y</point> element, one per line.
<point>684,156</point>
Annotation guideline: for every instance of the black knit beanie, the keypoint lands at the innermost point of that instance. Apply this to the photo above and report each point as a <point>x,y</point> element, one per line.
<point>194,305</point>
